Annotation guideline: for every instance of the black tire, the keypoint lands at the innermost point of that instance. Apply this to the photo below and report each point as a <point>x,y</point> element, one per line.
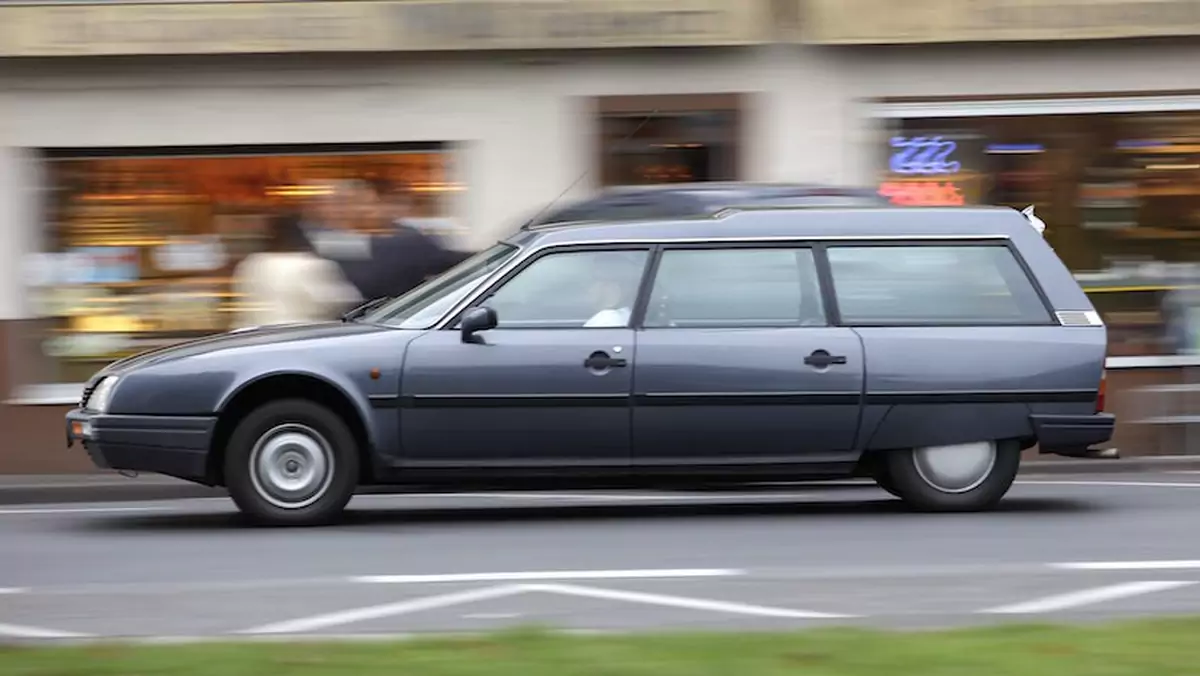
<point>318,432</point>
<point>920,495</point>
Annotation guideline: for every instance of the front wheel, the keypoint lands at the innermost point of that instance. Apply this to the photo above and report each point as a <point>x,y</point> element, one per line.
<point>292,463</point>
<point>956,478</point>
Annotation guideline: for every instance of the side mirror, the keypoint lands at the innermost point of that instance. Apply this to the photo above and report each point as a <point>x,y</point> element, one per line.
<point>477,319</point>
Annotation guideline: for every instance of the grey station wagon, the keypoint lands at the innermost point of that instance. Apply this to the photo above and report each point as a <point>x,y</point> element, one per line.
<point>923,347</point>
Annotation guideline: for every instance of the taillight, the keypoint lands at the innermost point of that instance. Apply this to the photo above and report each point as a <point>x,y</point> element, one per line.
<point>1100,392</point>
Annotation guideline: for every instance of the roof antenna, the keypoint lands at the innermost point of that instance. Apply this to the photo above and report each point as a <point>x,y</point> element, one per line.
<point>588,171</point>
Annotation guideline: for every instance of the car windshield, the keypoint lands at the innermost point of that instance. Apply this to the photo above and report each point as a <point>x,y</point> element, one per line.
<point>421,307</point>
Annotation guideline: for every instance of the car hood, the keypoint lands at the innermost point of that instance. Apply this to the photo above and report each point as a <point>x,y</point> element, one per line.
<point>269,335</point>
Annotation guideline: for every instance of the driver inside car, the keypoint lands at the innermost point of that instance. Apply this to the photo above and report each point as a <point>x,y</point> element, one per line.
<point>612,298</point>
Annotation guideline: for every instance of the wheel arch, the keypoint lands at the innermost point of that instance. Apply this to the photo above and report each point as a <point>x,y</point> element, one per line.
<point>255,392</point>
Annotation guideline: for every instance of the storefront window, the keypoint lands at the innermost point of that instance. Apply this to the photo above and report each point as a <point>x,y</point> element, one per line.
<point>1120,195</point>
<point>676,139</point>
<point>140,249</point>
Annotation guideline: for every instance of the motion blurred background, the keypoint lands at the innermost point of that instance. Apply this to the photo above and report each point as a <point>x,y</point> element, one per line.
<point>143,146</point>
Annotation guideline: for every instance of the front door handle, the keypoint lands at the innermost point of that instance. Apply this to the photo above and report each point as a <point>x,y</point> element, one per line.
<point>822,359</point>
<point>600,361</point>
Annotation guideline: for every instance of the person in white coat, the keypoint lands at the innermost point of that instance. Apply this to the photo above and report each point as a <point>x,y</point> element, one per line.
<point>289,283</point>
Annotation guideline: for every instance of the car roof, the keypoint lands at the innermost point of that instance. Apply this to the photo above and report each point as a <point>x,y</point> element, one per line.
<point>689,200</point>
<point>794,222</point>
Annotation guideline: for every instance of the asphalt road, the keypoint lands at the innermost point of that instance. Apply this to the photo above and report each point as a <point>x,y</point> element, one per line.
<point>1061,547</point>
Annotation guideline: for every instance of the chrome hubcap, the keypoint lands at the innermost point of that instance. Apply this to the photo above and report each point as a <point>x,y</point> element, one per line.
<point>957,468</point>
<point>291,466</point>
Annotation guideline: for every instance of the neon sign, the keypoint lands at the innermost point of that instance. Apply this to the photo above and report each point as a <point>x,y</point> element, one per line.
<point>923,156</point>
<point>923,193</point>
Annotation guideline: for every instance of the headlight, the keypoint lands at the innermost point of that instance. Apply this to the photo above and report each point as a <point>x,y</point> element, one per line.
<point>98,402</point>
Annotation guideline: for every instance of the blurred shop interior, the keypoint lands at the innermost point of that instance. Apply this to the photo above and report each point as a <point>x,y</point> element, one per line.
<point>669,138</point>
<point>141,248</point>
<point>673,148</point>
<point>1120,194</point>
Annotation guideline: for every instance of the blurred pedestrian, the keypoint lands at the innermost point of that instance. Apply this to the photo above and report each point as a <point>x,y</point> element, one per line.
<point>405,256</point>
<point>334,216</point>
<point>290,283</point>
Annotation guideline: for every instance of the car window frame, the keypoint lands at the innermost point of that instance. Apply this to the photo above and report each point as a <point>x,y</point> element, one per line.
<point>994,242</point>
<point>481,294</point>
<point>638,319</point>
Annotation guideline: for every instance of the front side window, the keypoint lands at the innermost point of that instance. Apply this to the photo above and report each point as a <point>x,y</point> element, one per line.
<point>571,289</point>
<point>930,285</point>
<point>736,287</point>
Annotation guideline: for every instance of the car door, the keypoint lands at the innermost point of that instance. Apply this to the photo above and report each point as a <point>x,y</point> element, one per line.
<point>549,385</point>
<point>738,364</point>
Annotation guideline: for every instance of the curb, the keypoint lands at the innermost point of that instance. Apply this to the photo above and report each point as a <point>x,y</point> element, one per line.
<point>105,488</point>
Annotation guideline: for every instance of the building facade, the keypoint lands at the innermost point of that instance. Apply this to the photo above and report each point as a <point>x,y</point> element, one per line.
<point>142,144</point>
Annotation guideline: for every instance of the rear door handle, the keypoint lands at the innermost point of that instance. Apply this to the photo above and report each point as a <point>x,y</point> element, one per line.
<point>599,361</point>
<point>822,359</point>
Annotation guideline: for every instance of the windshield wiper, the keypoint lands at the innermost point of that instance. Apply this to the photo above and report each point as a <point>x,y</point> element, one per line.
<point>366,307</point>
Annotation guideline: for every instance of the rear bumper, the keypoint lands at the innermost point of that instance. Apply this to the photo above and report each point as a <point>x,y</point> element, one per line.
<point>1072,435</point>
<point>177,446</point>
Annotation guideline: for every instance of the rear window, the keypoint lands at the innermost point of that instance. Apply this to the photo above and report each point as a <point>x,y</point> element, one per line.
<point>932,285</point>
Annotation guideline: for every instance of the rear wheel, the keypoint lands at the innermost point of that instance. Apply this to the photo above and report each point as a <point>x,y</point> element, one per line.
<point>956,478</point>
<point>292,463</point>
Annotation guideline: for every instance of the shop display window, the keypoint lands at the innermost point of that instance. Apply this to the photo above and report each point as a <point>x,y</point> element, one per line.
<point>669,139</point>
<point>139,248</point>
<point>1120,194</point>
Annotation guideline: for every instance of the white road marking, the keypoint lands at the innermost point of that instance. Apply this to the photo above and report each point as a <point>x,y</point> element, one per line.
<point>783,575</point>
<point>679,602</point>
<point>18,631</point>
<point>718,496</point>
<point>354,615</point>
<point>617,497</point>
<point>522,576</point>
<point>1127,565</point>
<point>1086,597</point>
<point>1124,484</point>
<point>324,621</point>
<point>11,590</point>
<point>559,497</point>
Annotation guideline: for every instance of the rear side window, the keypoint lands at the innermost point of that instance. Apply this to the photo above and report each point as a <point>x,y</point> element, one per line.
<point>932,285</point>
<point>735,288</point>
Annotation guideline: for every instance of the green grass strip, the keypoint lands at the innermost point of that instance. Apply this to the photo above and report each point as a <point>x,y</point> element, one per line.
<point>1148,648</point>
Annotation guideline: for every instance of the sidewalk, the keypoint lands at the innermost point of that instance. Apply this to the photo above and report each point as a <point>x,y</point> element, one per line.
<point>111,487</point>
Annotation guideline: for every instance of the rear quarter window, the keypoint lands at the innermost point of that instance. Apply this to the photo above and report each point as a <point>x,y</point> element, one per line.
<point>917,284</point>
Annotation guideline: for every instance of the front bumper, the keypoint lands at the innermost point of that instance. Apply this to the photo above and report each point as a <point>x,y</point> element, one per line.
<point>177,446</point>
<point>1072,435</point>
